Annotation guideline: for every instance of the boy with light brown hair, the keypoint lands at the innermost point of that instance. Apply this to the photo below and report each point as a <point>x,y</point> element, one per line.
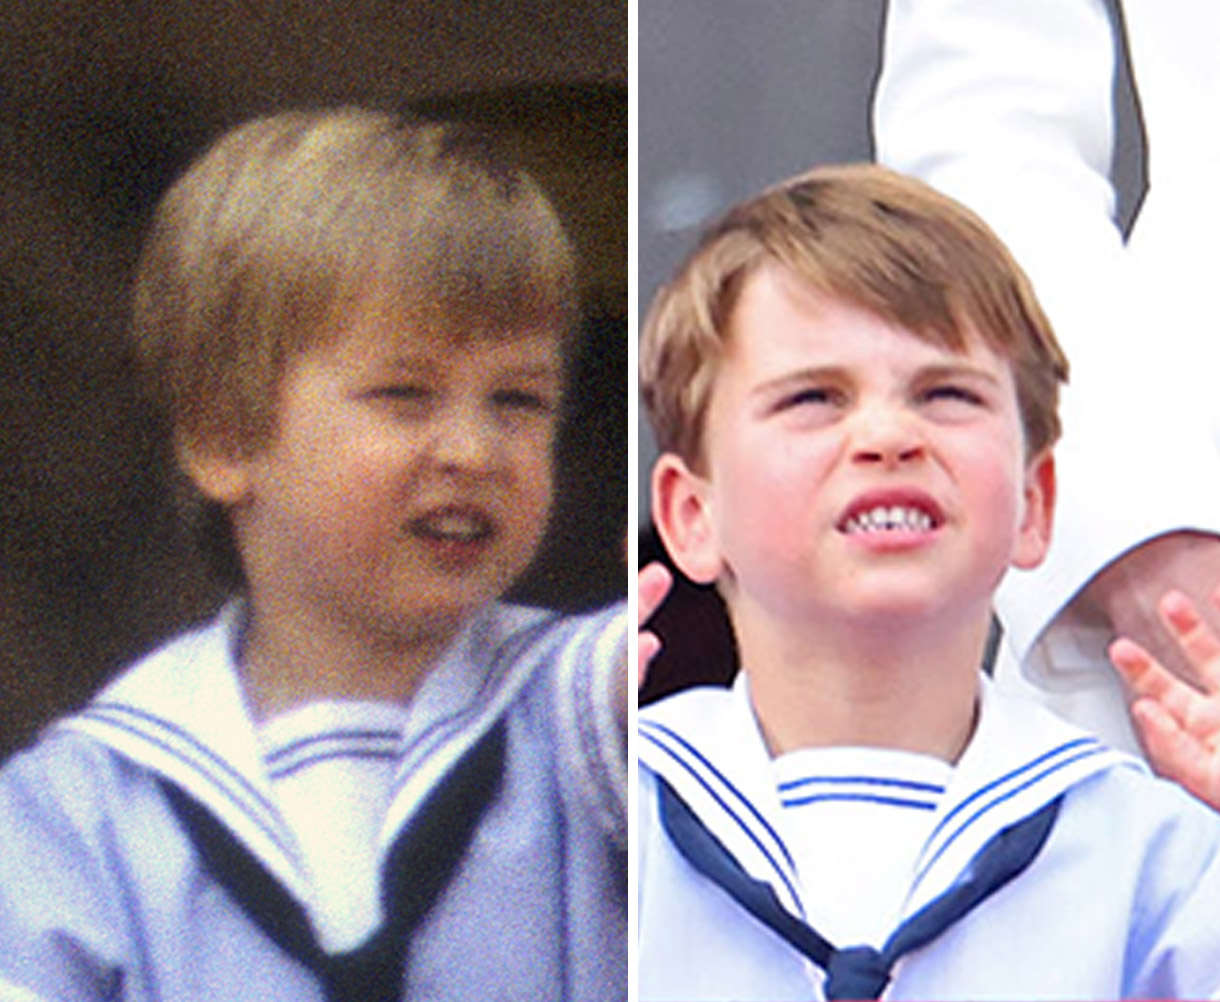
<point>854,391</point>
<point>359,328</point>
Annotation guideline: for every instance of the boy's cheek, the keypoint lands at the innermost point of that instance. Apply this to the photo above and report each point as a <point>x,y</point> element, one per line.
<point>534,503</point>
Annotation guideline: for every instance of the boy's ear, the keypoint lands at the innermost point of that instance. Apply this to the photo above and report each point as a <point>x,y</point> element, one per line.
<point>682,513</point>
<point>1034,537</point>
<point>220,474</point>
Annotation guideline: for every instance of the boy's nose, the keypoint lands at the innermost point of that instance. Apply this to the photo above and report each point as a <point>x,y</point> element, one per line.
<point>464,441</point>
<point>888,437</point>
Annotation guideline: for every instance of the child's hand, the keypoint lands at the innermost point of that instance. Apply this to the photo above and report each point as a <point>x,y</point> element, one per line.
<point>654,584</point>
<point>1178,722</point>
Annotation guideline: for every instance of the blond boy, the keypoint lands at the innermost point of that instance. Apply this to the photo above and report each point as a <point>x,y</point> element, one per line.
<point>854,392</point>
<point>368,778</point>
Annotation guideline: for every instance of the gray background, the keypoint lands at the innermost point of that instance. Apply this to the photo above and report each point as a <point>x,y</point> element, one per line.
<point>737,94</point>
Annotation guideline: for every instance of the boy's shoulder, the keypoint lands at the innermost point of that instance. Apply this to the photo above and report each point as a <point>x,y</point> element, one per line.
<point>1134,808</point>
<point>546,656</point>
<point>706,728</point>
<point>190,672</point>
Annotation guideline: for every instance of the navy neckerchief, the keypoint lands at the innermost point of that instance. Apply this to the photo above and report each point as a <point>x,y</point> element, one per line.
<point>858,972</point>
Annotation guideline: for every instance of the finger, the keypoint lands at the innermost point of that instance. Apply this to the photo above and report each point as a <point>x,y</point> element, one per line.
<point>649,647</point>
<point>1194,636</point>
<point>1192,712</point>
<point>1177,754</point>
<point>654,583</point>
<point>1146,679</point>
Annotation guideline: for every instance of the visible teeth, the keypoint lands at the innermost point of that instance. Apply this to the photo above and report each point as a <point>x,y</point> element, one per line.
<point>451,526</point>
<point>890,518</point>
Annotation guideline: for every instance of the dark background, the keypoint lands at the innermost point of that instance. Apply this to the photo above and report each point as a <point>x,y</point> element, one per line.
<point>101,105</point>
<point>735,95</point>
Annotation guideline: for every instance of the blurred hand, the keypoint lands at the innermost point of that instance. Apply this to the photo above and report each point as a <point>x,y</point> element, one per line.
<point>1179,721</point>
<point>1130,589</point>
<point>654,584</point>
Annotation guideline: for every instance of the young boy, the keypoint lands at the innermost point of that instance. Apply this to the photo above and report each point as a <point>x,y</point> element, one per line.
<point>368,778</point>
<point>855,393</point>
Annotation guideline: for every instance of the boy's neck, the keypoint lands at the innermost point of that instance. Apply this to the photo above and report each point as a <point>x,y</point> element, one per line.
<point>911,689</point>
<point>286,664</point>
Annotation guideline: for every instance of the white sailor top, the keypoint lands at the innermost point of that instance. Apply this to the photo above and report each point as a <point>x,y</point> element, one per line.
<point>143,854</point>
<point>1121,899</point>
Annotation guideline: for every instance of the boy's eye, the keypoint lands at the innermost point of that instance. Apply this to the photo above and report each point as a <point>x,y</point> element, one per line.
<point>404,398</point>
<point>403,392</point>
<point>952,402</point>
<point>952,392</point>
<point>524,401</point>
<point>811,396</point>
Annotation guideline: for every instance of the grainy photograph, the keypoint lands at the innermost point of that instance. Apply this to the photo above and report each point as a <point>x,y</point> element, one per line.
<point>313,331</point>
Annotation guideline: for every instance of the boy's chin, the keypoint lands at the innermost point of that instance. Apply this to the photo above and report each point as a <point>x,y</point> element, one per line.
<point>897,609</point>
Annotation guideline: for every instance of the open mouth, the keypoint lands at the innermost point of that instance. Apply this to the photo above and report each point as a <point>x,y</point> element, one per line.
<point>892,518</point>
<point>453,525</point>
<point>891,515</point>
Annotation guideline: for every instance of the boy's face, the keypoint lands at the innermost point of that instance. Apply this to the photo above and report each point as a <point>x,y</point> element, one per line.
<point>851,469</point>
<point>409,479</point>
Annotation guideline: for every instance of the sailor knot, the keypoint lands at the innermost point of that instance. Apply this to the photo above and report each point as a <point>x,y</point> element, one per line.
<point>856,972</point>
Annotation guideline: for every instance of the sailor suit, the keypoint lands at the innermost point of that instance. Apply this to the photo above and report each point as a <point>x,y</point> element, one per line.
<point>146,851</point>
<point>1118,900</point>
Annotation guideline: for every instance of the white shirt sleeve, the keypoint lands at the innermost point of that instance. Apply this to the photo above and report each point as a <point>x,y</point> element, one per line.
<point>589,689</point>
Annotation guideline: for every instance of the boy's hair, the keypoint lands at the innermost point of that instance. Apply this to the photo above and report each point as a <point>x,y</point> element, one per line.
<point>866,235</point>
<point>255,252</point>
<point>291,220</point>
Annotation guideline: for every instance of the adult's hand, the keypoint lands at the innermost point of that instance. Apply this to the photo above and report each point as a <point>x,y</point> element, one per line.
<point>654,583</point>
<point>1179,721</point>
<point>1128,592</point>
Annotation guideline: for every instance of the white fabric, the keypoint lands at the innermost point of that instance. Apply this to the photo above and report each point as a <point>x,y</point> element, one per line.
<point>332,766</point>
<point>1131,859</point>
<point>856,820</point>
<point>1007,105</point>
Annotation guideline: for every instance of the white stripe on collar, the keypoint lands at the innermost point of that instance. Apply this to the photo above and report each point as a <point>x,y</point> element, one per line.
<point>180,713</point>
<point>706,745</point>
<point>1020,758</point>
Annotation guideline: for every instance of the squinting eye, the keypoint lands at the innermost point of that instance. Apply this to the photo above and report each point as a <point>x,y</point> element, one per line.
<point>955,393</point>
<point>811,396</point>
<point>527,401</point>
<point>403,401</point>
<point>403,392</point>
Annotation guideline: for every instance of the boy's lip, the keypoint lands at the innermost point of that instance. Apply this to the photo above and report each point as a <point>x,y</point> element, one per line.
<point>906,510</point>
